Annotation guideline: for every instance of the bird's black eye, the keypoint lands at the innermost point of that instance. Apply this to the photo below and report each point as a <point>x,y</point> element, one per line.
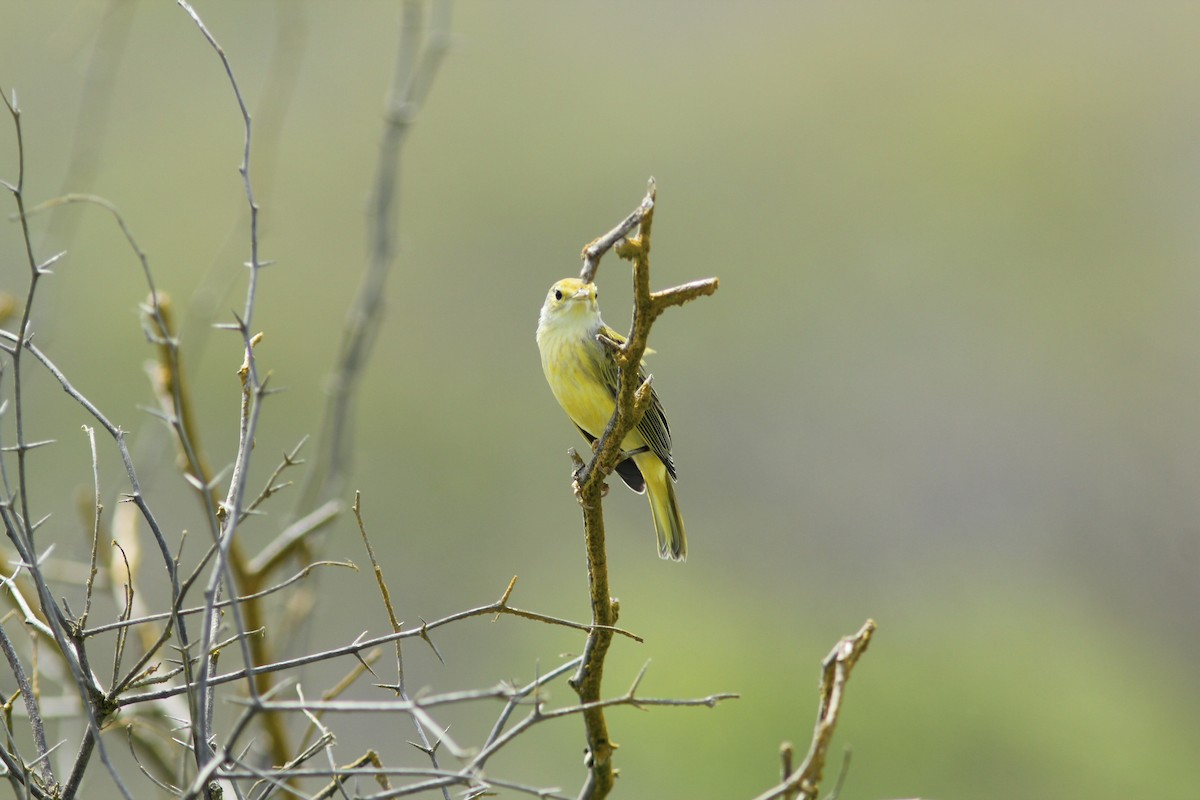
<point>558,294</point>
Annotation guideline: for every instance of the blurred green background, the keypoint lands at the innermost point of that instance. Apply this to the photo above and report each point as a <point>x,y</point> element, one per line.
<point>949,381</point>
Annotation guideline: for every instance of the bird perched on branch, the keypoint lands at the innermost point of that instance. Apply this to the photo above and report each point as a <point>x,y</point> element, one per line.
<point>582,373</point>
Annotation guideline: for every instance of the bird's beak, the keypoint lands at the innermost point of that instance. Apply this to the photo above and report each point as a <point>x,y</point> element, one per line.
<point>582,294</point>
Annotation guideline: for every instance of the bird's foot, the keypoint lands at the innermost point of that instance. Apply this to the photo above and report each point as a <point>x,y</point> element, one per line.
<point>579,491</point>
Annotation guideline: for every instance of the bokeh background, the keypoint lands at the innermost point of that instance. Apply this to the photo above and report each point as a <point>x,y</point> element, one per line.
<point>949,382</point>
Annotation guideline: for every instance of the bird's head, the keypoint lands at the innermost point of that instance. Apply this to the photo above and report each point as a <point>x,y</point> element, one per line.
<point>570,300</point>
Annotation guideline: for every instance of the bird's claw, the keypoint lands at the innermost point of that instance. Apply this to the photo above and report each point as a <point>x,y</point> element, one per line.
<point>627,454</point>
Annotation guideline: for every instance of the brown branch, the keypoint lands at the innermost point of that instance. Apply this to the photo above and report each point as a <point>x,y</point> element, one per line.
<point>804,782</point>
<point>598,247</point>
<point>632,398</point>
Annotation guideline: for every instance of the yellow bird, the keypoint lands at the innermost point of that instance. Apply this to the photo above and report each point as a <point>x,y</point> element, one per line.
<point>583,376</point>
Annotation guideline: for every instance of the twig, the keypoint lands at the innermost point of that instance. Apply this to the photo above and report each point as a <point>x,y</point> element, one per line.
<point>498,737</point>
<point>126,613</point>
<point>16,519</point>
<point>401,692</point>
<point>275,98</point>
<point>135,496</point>
<point>31,705</point>
<point>253,390</point>
<point>290,459</point>
<point>174,401</point>
<point>804,781</point>
<point>598,247</point>
<point>31,618</point>
<point>359,645</point>
<point>168,378</point>
<point>99,509</point>
<point>147,618</point>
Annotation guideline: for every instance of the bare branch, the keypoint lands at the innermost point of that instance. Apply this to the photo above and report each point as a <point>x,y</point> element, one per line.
<point>99,509</point>
<point>386,595</point>
<point>16,518</point>
<point>632,398</point>
<point>418,56</point>
<point>223,574</point>
<point>596,249</point>
<point>360,645</point>
<point>804,782</point>
<point>31,706</point>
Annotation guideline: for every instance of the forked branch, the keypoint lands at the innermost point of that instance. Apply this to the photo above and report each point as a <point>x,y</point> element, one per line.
<point>632,396</point>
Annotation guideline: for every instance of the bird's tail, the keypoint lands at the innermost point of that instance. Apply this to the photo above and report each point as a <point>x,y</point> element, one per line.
<point>668,524</point>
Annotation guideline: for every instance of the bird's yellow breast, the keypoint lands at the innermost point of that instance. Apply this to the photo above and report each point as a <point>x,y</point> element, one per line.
<point>569,361</point>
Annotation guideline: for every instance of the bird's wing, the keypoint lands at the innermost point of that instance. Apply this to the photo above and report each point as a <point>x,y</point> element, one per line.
<point>653,425</point>
<point>626,468</point>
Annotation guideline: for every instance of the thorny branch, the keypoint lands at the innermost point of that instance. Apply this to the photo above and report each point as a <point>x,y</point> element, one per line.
<point>397,626</point>
<point>169,696</point>
<point>16,518</point>
<point>632,397</point>
<point>223,578</point>
<point>361,645</point>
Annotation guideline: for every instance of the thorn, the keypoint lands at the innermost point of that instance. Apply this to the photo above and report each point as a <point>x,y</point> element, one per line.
<point>429,751</point>
<point>157,412</point>
<point>17,448</point>
<point>428,641</point>
<point>638,680</point>
<point>44,267</point>
<point>504,597</point>
<point>363,661</point>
